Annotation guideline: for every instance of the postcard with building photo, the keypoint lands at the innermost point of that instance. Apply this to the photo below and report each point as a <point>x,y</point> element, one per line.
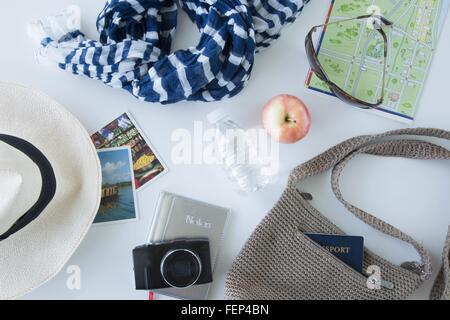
<point>118,203</point>
<point>123,131</point>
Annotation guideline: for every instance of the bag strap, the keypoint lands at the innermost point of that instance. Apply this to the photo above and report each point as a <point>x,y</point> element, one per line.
<point>441,287</point>
<point>338,157</point>
<point>332,156</point>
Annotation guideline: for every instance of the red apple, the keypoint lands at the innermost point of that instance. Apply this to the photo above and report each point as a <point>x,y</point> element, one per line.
<point>286,119</point>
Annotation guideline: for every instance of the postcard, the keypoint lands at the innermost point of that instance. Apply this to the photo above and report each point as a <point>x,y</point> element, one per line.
<point>118,202</point>
<point>123,131</point>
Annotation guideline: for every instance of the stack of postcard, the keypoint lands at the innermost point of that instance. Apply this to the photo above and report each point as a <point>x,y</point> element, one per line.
<point>129,162</point>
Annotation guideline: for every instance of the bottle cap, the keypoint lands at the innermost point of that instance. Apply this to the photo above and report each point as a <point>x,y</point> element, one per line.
<point>216,115</point>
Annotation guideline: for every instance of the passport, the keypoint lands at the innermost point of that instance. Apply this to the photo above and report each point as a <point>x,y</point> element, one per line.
<point>349,249</point>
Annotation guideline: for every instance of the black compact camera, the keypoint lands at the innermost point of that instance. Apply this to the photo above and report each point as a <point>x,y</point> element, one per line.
<point>177,264</point>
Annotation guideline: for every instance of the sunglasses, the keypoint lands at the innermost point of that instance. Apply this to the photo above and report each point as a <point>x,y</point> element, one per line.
<point>378,23</point>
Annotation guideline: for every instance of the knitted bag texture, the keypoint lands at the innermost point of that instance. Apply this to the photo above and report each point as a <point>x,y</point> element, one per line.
<point>280,262</point>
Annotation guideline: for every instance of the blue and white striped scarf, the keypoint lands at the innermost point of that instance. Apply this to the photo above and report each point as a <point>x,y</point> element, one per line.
<point>135,41</point>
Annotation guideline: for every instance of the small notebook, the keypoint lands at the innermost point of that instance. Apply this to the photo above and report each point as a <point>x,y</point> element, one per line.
<point>178,217</point>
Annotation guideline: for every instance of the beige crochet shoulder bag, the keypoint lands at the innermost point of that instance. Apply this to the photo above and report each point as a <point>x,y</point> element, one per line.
<point>280,262</point>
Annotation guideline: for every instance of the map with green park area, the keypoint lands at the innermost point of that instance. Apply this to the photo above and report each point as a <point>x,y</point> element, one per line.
<point>351,53</point>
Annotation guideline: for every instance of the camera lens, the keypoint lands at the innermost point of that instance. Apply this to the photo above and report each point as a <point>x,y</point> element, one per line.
<point>181,268</point>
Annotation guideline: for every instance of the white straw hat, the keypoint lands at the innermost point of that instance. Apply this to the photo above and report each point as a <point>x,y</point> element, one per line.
<point>50,187</point>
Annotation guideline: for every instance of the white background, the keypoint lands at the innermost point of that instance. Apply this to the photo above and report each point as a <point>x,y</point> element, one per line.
<point>411,195</point>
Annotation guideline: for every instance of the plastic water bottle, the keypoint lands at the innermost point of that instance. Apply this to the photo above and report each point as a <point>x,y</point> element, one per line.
<point>237,153</point>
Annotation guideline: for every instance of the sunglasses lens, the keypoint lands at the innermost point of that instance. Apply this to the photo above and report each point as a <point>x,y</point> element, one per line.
<point>312,58</point>
<point>344,96</point>
<point>351,55</point>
